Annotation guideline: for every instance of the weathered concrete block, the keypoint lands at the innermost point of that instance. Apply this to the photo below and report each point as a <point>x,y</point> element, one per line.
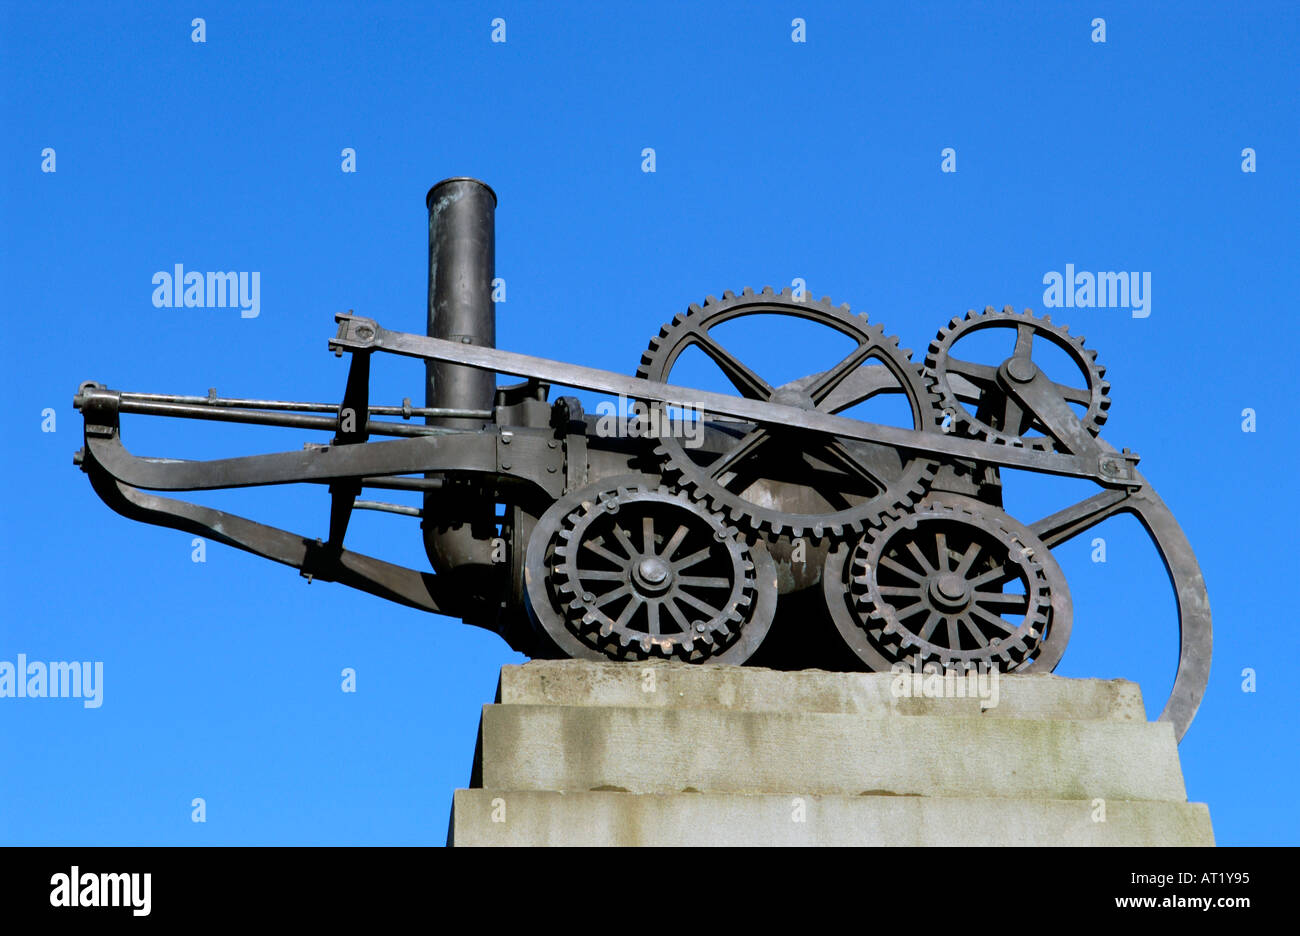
<point>584,753</point>
<point>487,817</point>
<point>751,689</point>
<point>668,750</point>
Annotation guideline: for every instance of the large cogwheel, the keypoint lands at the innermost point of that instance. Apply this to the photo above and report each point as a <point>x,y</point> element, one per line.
<point>639,572</point>
<point>969,390</point>
<point>782,483</point>
<point>956,583</point>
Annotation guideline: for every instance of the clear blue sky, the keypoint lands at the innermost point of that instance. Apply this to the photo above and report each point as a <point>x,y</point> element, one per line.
<point>775,160</point>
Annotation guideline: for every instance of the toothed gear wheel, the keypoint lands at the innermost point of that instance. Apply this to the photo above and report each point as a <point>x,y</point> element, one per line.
<point>643,573</point>
<point>778,483</point>
<point>998,417</point>
<point>956,583</point>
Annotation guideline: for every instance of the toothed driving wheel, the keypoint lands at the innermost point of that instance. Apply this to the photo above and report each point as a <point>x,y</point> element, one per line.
<point>956,583</point>
<point>772,481</point>
<point>969,389</point>
<point>640,572</point>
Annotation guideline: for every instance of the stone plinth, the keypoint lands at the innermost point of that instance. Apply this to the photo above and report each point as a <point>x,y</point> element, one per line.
<point>581,753</point>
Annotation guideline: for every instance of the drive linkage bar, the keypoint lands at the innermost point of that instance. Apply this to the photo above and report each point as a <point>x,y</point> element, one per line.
<point>406,410</point>
<point>358,334</point>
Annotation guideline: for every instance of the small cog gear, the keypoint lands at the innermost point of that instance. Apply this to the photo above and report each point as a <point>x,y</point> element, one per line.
<point>998,417</point>
<point>770,482</point>
<point>956,583</point>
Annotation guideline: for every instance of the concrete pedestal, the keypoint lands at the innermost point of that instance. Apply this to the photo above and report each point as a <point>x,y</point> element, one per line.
<point>581,753</point>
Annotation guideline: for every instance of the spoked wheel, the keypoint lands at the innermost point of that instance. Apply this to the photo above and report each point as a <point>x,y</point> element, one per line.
<point>771,481</point>
<point>632,571</point>
<point>970,391</point>
<point>957,583</point>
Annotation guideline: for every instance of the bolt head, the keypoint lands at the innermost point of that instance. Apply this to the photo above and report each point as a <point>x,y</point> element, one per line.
<point>1021,369</point>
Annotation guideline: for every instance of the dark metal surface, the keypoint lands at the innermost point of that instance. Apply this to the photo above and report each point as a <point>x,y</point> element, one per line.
<point>459,521</point>
<point>956,583</point>
<point>628,570</point>
<point>845,485</point>
<point>635,546</point>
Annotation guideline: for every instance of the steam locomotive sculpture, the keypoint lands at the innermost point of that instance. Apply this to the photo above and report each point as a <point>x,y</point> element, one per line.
<point>784,533</point>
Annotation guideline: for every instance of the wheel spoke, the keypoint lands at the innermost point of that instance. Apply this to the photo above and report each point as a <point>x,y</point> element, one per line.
<point>994,573</point>
<point>752,441</point>
<point>954,636</point>
<point>1012,416</point>
<point>671,546</point>
<point>1024,341</point>
<point>627,612</point>
<point>697,604</point>
<point>652,617</point>
<point>703,581</point>
<point>675,613</point>
<point>993,619</point>
<point>742,378</point>
<point>930,624</point>
<point>597,546</point>
<point>968,558</point>
<point>611,595</point>
<point>901,569</point>
<point>1081,395</point>
<point>981,374</point>
<point>899,591</point>
<point>694,558</point>
<point>601,575</point>
<point>941,551</point>
<point>1012,603</point>
<point>648,535</point>
<point>907,612</point>
<point>624,540</point>
<point>978,634</point>
<point>919,556</point>
<point>840,454</point>
<point>829,380</point>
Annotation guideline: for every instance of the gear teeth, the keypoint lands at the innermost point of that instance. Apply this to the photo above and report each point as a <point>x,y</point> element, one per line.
<point>759,524</point>
<point>747,292</point>
<point>968,425</point>
<point>728,295</point>
<point>892,637</point>
<point>618,640</point>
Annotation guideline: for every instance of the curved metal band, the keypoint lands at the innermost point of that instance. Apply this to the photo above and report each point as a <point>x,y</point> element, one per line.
<point>420,590</point>
<point>1195,633</point>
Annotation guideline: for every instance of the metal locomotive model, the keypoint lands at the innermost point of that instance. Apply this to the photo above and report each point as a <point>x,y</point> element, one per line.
<point>785,534</point>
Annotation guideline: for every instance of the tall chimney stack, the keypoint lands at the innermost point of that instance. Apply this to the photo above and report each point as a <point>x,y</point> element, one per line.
<point>462,257</point>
